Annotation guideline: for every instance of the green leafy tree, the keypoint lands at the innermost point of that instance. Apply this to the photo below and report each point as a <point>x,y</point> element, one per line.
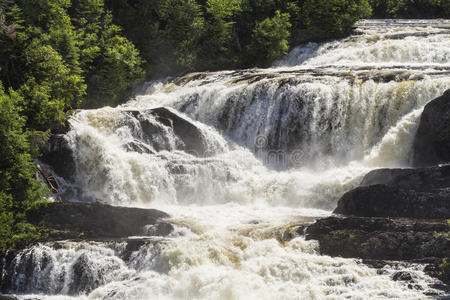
<point>270,39</point>
<point>142,25</point>
<point>220,47</point>
<point>183,29</point>
<point>410,8</point>
<point>42,62</point>
<point>333,18</point>
<point>18,189</point>
<point>50,87</point>
<point>253,11</point>
<point>111,64</point>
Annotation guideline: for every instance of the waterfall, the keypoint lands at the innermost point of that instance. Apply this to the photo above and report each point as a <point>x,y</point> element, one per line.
<point>265,149</point>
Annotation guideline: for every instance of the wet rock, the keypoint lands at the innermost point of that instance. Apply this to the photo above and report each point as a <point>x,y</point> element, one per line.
<point>97,221</point>
<point>8,297</point>
<point>85,279</point>
<point>411,193</point>
<point>190,134</point>
<point>385,201</point>
<point>402,276</point>
<point>442,287</point>
<point>419,179</point>
<point>139,147</point>
<point>381,238</point>
<point>59,155</point>
<point>432,141</point>
<point>193,140</point>
<point>159,229</point>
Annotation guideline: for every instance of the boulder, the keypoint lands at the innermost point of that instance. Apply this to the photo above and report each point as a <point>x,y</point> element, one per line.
<point>410,193</point>
<point>432,142</point>
<point>192,137</point>
<point>402,276</point>
<point>187,131</point>
<point>385,201</point>
<point>420,179</point>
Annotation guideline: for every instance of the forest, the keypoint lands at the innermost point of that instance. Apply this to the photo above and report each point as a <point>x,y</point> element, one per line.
<point>60,55</point>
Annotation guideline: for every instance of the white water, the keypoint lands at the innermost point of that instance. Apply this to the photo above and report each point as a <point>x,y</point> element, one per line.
<point>283,145</point>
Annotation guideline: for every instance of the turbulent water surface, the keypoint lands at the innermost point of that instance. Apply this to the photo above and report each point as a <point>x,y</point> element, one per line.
<point>283,144</point>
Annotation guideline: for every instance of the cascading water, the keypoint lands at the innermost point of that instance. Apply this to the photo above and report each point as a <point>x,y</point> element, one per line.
<point>274,147</point>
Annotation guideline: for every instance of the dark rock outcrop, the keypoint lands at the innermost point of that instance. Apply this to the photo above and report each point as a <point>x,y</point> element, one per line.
<point>97,221</point>
<point>410,193</point>
<point>59,155</point>
<point>381,238</point>
<point>191,136</point>
<point>432,141</point>
<point>402,276</point>
<point>8,297</point>
<point>421,179</point>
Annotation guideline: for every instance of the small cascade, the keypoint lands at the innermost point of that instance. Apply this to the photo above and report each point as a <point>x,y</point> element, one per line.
<point>246,262</point>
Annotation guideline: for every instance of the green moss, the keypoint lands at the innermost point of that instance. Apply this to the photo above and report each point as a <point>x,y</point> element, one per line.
<point>342,234</point>
<point>444,269</point>
<point>439,234</point>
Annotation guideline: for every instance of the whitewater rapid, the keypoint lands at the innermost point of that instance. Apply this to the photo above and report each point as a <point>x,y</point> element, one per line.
<point>283,144</point>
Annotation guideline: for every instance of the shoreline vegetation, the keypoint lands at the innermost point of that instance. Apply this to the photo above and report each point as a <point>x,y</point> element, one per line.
<point>60,55</point>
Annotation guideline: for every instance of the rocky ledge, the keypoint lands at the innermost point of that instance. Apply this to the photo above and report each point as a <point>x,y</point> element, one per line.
<point>8,297</point>
<point>381,238</point>
<point>97,221</point>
